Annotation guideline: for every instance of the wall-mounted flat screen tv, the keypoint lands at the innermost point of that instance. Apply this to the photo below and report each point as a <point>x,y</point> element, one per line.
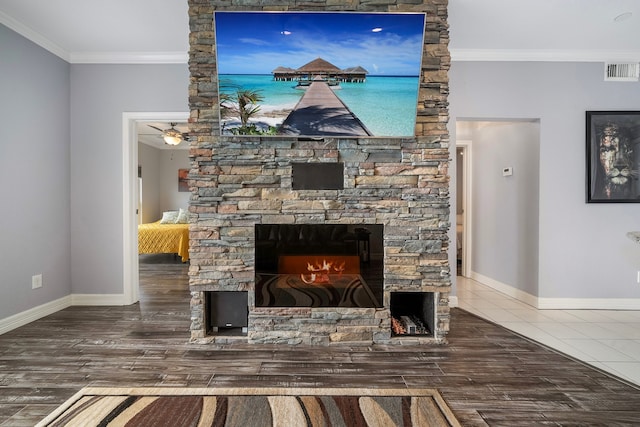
<point>319,74</point>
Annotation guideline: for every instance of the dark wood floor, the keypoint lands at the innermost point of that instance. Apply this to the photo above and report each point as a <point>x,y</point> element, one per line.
<point>487,374</point>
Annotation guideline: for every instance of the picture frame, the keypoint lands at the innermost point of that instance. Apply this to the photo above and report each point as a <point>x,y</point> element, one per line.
<point>316,74</point>
<point>613,156</point>
<point>183,180</point>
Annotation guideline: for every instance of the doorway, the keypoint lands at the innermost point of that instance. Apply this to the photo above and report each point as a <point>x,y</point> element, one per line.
<point>131,196</point>
<point>500,202</point>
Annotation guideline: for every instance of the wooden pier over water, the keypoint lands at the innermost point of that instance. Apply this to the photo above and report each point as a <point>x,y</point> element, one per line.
<point>321,112</point>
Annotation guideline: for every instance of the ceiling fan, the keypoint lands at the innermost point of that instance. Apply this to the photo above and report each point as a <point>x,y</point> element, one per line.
<point>172,136</point>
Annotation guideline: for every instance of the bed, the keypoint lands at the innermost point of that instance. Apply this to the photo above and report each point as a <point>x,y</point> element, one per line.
<point>158,238</point>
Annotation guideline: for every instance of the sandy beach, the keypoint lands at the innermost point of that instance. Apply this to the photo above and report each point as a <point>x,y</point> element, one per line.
<point>266,117</point>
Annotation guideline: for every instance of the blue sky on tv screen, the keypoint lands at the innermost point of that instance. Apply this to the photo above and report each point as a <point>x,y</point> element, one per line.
<point>259,42</point>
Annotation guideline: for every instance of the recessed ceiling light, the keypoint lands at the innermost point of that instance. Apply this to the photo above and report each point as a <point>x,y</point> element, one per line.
<point>623,17</point>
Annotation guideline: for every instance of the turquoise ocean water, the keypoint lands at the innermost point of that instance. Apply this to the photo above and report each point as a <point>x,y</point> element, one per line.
<point>386,105</point>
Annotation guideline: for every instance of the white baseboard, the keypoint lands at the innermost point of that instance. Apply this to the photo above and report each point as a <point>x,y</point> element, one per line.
<point>20,319</point>
<point>13,322</point>
<point>508,290</point>
<point>98,299</point>
<point>589,303</point>
<point>559,303</point>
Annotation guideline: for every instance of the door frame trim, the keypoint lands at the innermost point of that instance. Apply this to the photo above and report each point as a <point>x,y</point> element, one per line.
<point>467,205</point>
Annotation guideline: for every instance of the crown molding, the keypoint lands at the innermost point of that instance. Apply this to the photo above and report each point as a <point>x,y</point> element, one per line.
<point>544,55</point>
<point>128,57</point>
<point>33,36</point>
<point>468,55</point>
<point>93,57</point>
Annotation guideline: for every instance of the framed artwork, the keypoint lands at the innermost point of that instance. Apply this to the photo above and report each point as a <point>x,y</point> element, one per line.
<point>319,74</point>
<point>613,156</point>
<point>183,183</point>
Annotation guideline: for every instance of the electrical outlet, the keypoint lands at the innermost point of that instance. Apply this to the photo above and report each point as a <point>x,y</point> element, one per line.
<point>36,281</point>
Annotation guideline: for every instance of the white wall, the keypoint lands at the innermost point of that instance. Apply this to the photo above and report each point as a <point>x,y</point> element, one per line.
<point>160,181</point>
<point>149,160</point>
<point>34,172</point>
<point>99,96</point>
<point>170,198</point>
<point>584,253</point>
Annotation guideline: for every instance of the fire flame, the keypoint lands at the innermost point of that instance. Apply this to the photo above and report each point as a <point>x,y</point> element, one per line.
<point>319,273</point>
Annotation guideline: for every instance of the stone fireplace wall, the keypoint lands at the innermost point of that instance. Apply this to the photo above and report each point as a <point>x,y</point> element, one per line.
<point>237,182</point>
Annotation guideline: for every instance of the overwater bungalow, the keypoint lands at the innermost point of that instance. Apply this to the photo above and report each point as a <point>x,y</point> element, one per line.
<point>284,74</point>
<point>318,68</point>
<point>354,74</point>
<point>323,69</point>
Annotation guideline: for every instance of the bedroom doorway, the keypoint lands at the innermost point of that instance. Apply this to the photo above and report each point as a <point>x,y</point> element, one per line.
<point>131,195</point>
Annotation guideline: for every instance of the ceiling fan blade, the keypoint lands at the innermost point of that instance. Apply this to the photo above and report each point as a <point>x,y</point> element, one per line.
<point>156,128</point>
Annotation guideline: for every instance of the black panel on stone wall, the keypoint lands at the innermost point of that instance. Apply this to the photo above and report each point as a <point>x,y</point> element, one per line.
<point>317,176</point>
<point>228,309</point>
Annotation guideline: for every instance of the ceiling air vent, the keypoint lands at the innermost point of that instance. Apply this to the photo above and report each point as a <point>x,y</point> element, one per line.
<point>621,72</point>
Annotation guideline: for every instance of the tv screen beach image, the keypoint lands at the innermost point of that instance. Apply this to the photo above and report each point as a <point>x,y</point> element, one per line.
<point>318,74</point>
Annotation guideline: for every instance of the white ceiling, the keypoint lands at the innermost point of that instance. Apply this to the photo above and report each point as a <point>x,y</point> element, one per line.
<point>93,31</point>
<point>156,31</point>
<point>566,30</point>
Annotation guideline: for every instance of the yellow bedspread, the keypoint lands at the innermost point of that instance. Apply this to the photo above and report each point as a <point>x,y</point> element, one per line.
<point>156,238</point>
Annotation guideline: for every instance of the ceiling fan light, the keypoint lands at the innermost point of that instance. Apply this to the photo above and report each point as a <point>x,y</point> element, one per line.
<point>172,137</point>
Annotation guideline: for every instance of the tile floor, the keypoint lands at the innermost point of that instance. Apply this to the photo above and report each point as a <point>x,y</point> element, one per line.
<point>607,339</point>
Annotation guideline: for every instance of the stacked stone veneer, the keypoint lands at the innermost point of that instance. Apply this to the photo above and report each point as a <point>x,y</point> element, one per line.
<point>401,183</point>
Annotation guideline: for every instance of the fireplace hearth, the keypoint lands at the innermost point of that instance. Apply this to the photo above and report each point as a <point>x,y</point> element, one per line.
<point>245,190</point>
<point>394,232</point>
<point>390,220</point>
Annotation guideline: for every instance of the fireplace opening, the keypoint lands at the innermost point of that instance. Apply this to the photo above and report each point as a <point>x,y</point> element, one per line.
<point>412,313</point>
<point>318,265</point>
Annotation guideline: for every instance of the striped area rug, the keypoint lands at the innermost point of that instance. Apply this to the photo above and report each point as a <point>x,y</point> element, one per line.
<point>252,407</point>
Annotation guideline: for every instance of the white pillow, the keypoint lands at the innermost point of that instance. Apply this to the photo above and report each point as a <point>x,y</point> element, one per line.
<point>169,217</point>
<point>183,217</point>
